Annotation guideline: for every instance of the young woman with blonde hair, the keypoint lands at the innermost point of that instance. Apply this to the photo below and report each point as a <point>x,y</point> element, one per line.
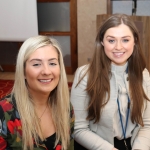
<point>37,114</point>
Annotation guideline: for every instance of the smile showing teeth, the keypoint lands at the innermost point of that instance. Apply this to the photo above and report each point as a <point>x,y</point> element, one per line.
<point>45,80</point>
<point>118,53</point>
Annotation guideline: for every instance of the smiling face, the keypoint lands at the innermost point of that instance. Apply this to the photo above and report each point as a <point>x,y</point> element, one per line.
<point>42,70</point>
<point>118,44</point>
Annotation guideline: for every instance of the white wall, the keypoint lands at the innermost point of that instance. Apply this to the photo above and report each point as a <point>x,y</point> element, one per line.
<point>18,19</point>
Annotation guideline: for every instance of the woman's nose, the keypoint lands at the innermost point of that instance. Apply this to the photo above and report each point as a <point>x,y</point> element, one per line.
<point>46,69</point>
<point>118,45</point>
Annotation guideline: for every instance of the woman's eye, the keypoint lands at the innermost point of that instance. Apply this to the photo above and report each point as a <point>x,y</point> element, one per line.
<point>53,64</point>
<point>36,64</point>
<point>111,41</point>
<point>125,40</point>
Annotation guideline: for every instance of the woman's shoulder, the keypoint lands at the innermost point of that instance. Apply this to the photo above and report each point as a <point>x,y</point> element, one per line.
<point>81,74</point>
<point>146,77</point>
<point>81,70</point>
<point>146,73</point>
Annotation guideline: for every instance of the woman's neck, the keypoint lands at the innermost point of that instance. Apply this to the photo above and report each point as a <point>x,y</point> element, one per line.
<point>40,100</point>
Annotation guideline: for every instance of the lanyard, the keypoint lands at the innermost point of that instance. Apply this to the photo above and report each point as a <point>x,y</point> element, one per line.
<point>124,129</point>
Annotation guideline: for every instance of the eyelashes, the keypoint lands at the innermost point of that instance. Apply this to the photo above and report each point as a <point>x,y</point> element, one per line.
<point>39,64</point>
<point>114,41</point>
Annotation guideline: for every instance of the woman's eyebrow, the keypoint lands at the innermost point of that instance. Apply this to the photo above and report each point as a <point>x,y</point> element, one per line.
<point>37,59</point>
<point>52,59</point>
<point>114,36</point>
<point>110,36</point>
<point>126,36</point>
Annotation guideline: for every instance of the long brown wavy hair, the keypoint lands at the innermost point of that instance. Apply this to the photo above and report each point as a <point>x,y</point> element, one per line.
<point>99,73</point>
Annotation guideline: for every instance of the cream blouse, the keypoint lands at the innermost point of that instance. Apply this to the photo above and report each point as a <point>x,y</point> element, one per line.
<point>119,72</point>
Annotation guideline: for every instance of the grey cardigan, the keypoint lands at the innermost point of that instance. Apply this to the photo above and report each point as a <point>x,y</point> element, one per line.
<point>100,136</point>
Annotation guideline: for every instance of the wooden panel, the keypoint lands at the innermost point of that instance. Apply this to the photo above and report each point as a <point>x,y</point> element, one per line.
<point>69,70</point>
<point>9,51</point>
<point>146,36</point>
<point>73,18</point>
<point>143,24</point>
<point>109,7</point>
<point>8,68</point>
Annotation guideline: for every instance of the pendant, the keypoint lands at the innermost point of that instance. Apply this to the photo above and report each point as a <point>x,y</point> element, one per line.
<point>126,145</point>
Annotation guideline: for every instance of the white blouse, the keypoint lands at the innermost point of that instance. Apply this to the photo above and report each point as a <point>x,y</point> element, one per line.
<point>119,71</point>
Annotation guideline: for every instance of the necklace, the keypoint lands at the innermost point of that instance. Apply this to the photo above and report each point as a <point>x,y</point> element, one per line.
<point>43,113</point>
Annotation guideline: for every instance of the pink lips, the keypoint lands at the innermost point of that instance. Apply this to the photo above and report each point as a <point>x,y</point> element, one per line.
<point>118,54</point>
<point>45,80</point>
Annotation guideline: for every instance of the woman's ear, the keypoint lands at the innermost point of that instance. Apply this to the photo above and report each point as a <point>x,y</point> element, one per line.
<point>102,43</point>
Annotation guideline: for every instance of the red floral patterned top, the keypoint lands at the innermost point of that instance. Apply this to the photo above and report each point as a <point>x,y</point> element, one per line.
<point>11,129</point>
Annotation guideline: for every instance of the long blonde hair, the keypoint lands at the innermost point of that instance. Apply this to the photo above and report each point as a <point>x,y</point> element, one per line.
<point>59,97</point>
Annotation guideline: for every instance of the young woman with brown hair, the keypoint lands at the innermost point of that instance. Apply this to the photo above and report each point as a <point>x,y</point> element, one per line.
<point>111,95</point>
